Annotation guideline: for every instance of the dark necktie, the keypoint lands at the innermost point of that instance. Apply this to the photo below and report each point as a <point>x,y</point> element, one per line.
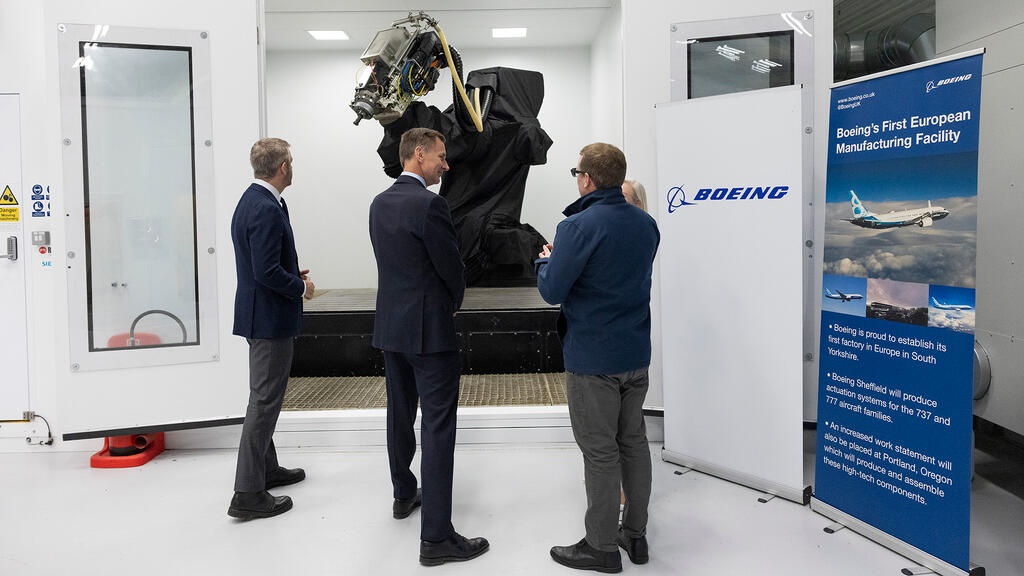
<point>284,207</point>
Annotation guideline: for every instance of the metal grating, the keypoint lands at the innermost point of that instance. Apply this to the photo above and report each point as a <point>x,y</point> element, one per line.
<point>365,299</point>
<point>358,392</point>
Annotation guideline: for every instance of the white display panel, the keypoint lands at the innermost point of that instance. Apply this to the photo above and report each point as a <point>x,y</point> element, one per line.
<point>14,391</point>
<point>786,39</point>
<point>730,174</point>
<point>142,285</point>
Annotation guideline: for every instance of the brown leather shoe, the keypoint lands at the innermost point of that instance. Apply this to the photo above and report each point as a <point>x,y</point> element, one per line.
<point>249,505</point>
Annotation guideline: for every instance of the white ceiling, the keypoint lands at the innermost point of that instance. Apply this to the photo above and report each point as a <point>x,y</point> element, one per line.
<point>465,24</point>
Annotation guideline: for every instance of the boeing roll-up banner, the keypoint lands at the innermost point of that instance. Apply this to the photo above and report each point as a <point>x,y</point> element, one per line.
<point>729,205</point>
<point>897,321</point>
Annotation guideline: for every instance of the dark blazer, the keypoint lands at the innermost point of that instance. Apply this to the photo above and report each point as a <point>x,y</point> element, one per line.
<point>420,280</point>
<point>268,300</point>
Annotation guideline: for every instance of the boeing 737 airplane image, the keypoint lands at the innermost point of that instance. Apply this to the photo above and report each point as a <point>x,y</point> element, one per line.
<point>941,306</point>
<point>920,216</point>
<point>840,296</point>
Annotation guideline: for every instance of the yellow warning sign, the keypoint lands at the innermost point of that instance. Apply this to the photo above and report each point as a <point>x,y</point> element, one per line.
<point>9,206</point>
<point>8,198</point>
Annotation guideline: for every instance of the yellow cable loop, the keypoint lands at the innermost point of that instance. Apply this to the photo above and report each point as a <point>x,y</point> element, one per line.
<point>474,113</point>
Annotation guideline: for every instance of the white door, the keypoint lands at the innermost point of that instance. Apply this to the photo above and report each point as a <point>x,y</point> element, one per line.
<point>159,107</point>
<point>14,208</point>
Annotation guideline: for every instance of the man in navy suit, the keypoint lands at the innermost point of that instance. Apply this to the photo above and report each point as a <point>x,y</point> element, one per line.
<point>420,284</point>
<point>268,313</point>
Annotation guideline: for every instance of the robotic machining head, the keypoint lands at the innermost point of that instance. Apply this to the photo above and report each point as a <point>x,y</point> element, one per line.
<point>401,64</point>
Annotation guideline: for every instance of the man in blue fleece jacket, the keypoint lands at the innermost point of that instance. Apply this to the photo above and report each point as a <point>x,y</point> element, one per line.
<point>599,270</point>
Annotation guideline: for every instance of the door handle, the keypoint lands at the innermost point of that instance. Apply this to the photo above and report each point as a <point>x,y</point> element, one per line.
<point>12,249</point>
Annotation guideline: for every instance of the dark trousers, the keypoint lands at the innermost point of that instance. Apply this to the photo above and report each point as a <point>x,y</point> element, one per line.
<point>433,380</point>
<point>270,362</point>
<point>607,418</point>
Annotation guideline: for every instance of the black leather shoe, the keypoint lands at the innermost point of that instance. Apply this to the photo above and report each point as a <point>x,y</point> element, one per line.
<point>249,505</point>
<point>583,556</point>
<point>402,508</point>
<point>284,477</point>
<point>455,548</point>
<point>636,548</point>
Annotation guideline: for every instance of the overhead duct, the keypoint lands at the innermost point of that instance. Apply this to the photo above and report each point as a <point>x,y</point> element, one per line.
<point>860,53</point>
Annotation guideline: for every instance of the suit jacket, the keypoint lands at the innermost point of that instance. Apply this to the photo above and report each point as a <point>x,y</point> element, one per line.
<point>420,277</point>
<point>268,300</point>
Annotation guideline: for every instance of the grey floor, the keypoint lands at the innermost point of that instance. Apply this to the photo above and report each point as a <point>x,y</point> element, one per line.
<point>60,517</point>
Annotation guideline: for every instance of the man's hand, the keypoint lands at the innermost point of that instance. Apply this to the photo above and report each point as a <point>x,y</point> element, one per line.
<point>310,288</point>
<point>546,253</point>
<point>304,274</point>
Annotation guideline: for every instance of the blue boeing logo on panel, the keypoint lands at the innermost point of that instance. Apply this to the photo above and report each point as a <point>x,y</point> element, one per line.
<point>677,198</point>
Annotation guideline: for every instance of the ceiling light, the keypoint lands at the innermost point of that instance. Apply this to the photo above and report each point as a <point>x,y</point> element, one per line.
<point>328,34</point>
<point>508,32</point>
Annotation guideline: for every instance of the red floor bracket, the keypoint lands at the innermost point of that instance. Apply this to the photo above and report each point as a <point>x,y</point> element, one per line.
<point>150,445</point>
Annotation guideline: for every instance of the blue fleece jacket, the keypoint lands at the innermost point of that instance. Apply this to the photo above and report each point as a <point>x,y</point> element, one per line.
<point>600,272</point>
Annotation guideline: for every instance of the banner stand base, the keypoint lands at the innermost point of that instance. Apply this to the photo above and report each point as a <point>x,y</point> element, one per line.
<point>834,527</point>
<point>892,543</point>
<point>800,496</point>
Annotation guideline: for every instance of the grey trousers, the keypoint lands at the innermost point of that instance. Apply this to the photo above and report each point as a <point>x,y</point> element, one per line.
<point>270,362</point>
<point>608,422</point>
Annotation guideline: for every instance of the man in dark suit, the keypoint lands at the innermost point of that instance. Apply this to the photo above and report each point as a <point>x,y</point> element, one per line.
<point>268,313</point>
<point>420,284</point>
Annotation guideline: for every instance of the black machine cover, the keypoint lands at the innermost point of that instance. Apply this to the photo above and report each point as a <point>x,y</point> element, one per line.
<point>487,178</point>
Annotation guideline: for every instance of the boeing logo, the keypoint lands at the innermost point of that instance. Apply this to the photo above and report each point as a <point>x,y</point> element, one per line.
<point>677,198</point>
<point>932,84</point>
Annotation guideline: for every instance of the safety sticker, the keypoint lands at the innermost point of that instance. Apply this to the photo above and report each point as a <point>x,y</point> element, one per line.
<point>37,192</point>
<point>9,211</point>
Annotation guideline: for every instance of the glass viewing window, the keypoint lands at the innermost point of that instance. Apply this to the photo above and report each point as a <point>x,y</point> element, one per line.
<point>139,179</point>
<point>727,64</point>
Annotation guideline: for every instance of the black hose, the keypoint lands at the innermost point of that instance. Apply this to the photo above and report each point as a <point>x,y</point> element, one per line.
<point>131,332</point>
<point>485,103</point>
<point>460,108</point>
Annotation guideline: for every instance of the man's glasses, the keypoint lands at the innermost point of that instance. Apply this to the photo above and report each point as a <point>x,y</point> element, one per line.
<point>576,172</point>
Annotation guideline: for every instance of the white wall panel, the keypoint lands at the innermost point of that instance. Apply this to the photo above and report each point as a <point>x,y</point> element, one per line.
<point>999,29</point>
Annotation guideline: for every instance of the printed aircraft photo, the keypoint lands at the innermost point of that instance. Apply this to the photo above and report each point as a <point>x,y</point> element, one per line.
<point>941,306</point>
<point>894,231</point>
<point>922,217</point>
<point>837,295</point>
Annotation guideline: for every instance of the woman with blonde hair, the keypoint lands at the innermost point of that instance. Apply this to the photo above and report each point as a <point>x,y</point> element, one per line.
<point>635,194</point>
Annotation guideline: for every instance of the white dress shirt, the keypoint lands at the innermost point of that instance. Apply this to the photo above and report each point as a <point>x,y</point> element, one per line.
<point>416,176</point>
